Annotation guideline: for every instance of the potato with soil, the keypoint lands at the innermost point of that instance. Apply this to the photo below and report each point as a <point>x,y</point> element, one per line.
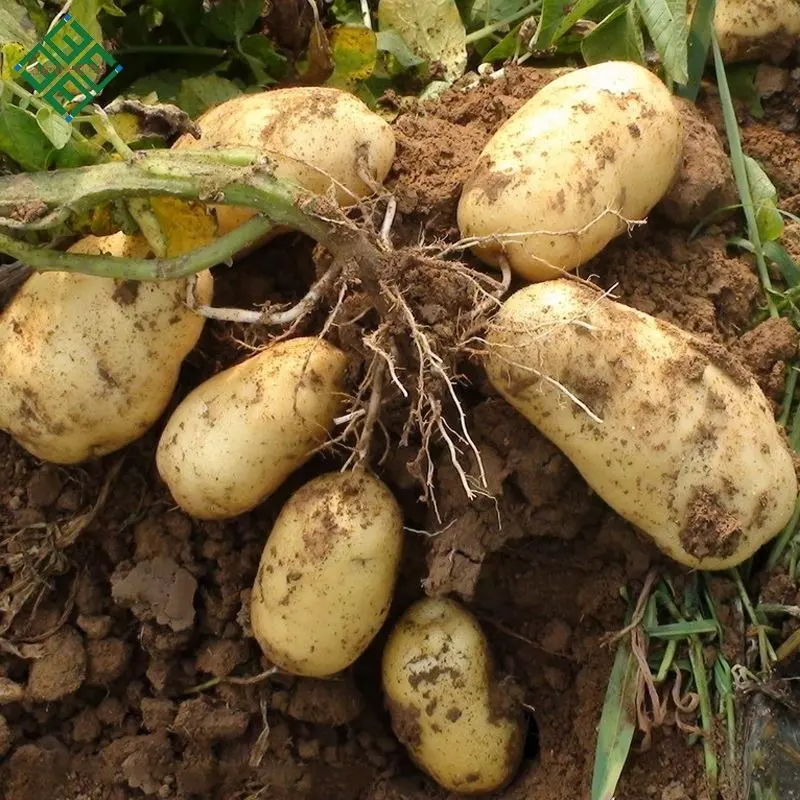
<point>88,364</point>
<point>668,429</point>
<point>594,148</point>
<point>757,29</point>
<point>322,138</point>
<point>327,574</point>
<point>458,723</point>
<point>238,436</point>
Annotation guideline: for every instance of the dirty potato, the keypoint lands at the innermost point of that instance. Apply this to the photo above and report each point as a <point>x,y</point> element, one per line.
<point>327,574</point>
<point>88,364</point>
<point>757,29</point>
<point>668,429</point>
<point>592,149</point>
<point>238,436</point>
<point>322,138</point>
<point>458,723</point>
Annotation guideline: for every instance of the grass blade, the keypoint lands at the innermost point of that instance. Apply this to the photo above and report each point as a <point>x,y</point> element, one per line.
<point>699,45</point>
<point>617,726</point>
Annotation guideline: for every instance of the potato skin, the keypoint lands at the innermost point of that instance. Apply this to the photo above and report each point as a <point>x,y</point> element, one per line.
<point>457,723</point>
<point>599,138</point>
<point>327,574</point>
<point>757,29</point>
<point>688,449</point>
<point>88,364</point>
<point>238,436</point>
<point>315,135</point>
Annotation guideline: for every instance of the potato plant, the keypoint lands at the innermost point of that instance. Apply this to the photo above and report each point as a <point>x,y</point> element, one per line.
<point>668,430</point>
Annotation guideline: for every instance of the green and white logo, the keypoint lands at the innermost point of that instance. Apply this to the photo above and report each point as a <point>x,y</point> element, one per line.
<point>65,69</point>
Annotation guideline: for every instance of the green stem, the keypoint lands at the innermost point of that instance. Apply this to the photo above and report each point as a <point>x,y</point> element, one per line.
<point>142,269</point>
<point>706,715</point>
<point>788,395</point>
<point>171,49</point>
<point>740,173</point>
<point>778,549</point>
<point>488,30</point>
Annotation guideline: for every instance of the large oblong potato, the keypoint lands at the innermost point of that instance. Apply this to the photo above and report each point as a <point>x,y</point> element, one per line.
<point>458,723</point>
<point>594,148</point>
<point>318,137</point>
<point>757,29</point>
<point>88,364</point>
<point>327,574</point>
<point>238,436</point>
<point>687,448</point>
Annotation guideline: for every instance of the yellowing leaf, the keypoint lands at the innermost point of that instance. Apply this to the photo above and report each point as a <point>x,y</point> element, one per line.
<point>185,226</point>
<point>355,51</point>
<point>431,28</point>
<point>10,54</point>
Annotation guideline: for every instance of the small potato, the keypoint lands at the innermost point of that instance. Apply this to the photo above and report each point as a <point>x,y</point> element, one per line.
<point>669,430</point>
<point>594,148</point>
<point>327,574</point>
<point>239,435</point>
<point>757,29</point>
<point>88,364</point>
<point>319,137</point>
<point>457,722</point>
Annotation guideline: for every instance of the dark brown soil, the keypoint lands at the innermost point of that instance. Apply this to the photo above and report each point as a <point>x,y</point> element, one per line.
<point>113,685</point>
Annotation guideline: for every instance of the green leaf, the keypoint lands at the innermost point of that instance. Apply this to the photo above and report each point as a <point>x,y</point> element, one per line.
<point>617,724</point>
<point>184,12</point>
<point>742,83</point>
<point>348,12</point>
<point>261,48</point>
<point>699,46</point>
<point>393,43</point>
<point>785,263</point>
<point>230,20</point>
<point>56,129</point>
<point>16,24</point>
<point>22,139</point>
<point>486,12</point>
<point>354,51</point>
<point>10,54</point>
<point>765,201</point>
<point>617,38</point>
<point>198,94</point>
<point>506,47</point>
<point>432,29</point>
<point>165,84</point>
<point>558,16</point>
<point>87,13</point>
<point>668,26</point>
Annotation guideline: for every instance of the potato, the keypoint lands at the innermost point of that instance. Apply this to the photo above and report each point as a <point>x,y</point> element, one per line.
<point>239,435</point>
<point>593,148</point>
<point>327,574</point>
<point>317,137</point>
<point>687,448</point>
<point>88,364</point>
<point>458,723</point>
<point>757,29</point>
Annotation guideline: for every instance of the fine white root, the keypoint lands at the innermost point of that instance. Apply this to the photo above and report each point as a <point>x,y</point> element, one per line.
<point>388,221</point>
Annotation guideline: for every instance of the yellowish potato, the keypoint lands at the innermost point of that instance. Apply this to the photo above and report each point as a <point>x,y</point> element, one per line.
<point>757,29</point>
<point>668,429</point>
<point>322,138</point>
<point>238,436</point>
<point>327,574</point>
<point>594,148</point>
<point>458,723</point>
<point>88,364</point>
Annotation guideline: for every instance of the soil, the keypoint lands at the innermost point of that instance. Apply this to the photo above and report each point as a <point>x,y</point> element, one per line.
<point>114,677</point>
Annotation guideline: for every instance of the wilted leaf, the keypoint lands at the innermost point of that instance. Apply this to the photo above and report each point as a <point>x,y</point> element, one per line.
<point>289,22</point>
<point>393,43</point>
<point>617,724</point>
<point>230,20</point>
<point>198,94</point>
<point>616,38</point>
<point>432,29</point>
<point>319,58</point>
<point>15,24</point>
<point>56,129</point>
<point>668,26</point>
<point>354,52</point>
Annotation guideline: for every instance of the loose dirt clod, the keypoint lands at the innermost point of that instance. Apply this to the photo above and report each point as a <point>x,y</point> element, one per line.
<point>61,669</point>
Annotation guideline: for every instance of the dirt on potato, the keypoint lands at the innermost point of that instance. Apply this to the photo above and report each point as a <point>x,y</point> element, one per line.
<point>115,674</point>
